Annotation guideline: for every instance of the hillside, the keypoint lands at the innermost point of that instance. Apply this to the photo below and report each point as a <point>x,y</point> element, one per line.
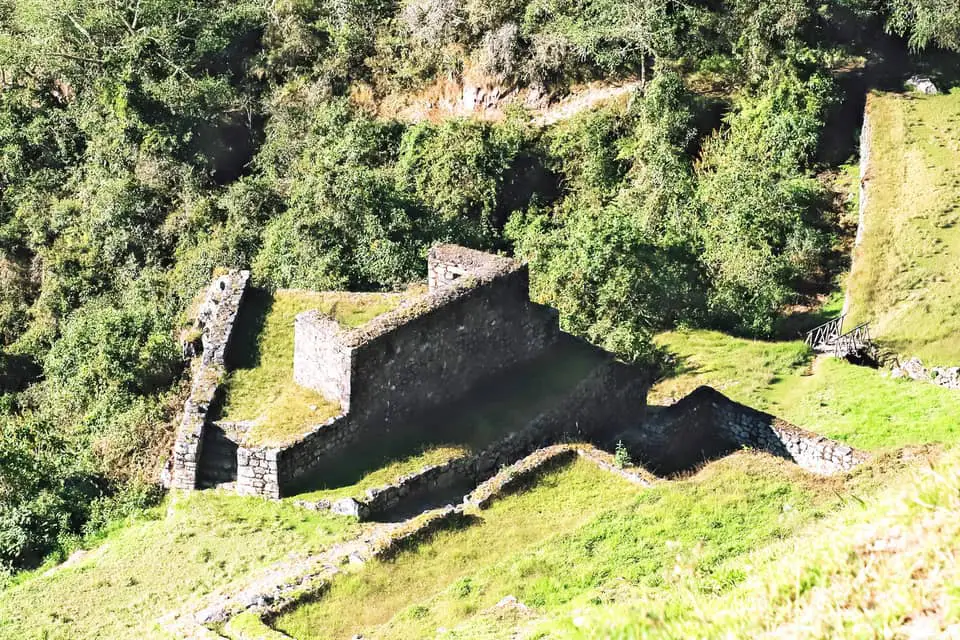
<point>905,274</point>
<point>368,319</point>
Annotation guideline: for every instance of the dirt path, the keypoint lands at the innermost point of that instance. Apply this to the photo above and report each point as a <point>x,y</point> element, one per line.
<point>488,102</point>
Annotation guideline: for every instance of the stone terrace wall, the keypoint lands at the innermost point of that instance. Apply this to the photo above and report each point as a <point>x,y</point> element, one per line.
<point>609,399</point>
<point>436,351</point>
<point>215,320</point>
<point>706,424</point>
<point>429,350</point>
<point>321,360</point>
<point>447,263</point>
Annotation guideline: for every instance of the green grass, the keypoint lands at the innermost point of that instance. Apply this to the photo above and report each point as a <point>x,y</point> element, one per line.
<point>906,272</point>
<point>882,567</point>
<point>493,410</point>
<point>260,385</point>
<point>576,532</point>
<point>191,545</point>
<point>858,405</point>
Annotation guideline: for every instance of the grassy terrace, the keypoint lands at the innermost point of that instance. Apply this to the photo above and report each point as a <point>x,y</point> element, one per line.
<point>187,547</point>
<point>577,537</point>
<point>260,386</point>
<point>505,404</point>
<point>858,405</point>
<point>906,273</point>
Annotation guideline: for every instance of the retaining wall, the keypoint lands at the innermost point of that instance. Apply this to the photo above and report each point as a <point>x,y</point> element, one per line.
<point>707,424</point>
<point>610,398</point>
<point>215,320</point>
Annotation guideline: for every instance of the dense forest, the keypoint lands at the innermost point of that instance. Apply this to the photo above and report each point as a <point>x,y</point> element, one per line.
<point>146,143</point>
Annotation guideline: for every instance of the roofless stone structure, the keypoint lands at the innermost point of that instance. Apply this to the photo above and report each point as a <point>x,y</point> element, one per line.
<point>474,324</point>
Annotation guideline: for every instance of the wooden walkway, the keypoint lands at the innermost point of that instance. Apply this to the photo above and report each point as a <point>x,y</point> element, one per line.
<point>830,339</point>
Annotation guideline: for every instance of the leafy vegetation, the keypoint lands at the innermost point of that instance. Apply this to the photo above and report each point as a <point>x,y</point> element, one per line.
<point>145,144</point>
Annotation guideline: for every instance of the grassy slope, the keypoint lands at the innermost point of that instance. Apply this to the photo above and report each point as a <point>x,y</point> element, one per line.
<point>260,387</point>
<point>883,568</point>
<point>858,405</point>
<point>580,533</point>
<point>906,272</point>
<point>189,546</point>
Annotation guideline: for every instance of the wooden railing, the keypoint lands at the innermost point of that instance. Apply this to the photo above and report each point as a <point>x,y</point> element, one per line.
<point>855,342</point>
<point>826,333</point>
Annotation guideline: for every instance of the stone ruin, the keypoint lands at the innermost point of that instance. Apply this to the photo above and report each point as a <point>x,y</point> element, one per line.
<point>474,323</point>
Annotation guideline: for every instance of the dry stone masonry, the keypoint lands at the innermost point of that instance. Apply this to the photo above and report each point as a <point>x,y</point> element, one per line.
<point>215,321</point>
<point>706,425</point>
<point>948,377</point>
<point>474,323</point>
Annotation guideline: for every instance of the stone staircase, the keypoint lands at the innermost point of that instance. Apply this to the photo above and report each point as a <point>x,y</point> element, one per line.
<point>218,457</point>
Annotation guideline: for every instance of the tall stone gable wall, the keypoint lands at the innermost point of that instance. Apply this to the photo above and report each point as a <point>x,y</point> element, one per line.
<point>427,352</point>
<point>215,320</point>
<point>439,355</point>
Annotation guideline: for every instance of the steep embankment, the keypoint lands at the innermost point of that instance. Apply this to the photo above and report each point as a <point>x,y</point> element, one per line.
<point>906,270</point>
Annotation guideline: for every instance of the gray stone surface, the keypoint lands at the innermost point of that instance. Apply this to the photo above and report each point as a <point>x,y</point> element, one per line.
<point>215,321</point>
<point>706,424</point>
<point>948,377</point>
<point>922,84</point>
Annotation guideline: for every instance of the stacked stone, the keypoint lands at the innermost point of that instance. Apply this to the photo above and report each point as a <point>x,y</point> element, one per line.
<point>948,377</point>
<point>758,430</point>
<point>606,398</point>
<point>215,320</point>
<point>257,472</point>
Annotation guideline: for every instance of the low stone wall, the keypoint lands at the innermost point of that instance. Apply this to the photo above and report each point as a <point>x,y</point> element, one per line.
<point>947,377</point>
<point>706,425</point>
<point>215,320</point>
<point>610,398</point>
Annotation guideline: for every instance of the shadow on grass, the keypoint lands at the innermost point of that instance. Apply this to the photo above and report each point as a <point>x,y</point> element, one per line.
<point>502,404</point>
<point>257,304</point>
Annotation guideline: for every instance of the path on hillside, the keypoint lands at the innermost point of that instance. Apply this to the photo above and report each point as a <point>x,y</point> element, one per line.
<point>583,100</point>
<point>490,103</point>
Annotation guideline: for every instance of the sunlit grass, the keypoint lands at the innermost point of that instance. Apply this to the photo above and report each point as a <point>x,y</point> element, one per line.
<point>906,272</point>
<point>577,532</point>
<point>260,386</point>
<point>189,546</point>
<point>859,405</point>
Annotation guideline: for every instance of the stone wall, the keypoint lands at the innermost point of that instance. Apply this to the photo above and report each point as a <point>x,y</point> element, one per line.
<point>706,425</point>
<point>321,360</point>
<point>913,368</point>
<point>427,352</point>
<point>215,321</point>
<point>609,399</point>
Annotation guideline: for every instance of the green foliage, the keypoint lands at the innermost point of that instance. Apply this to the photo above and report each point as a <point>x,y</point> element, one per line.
<point>144,144</point>
<point>621,456</point>
<point>926,22</point>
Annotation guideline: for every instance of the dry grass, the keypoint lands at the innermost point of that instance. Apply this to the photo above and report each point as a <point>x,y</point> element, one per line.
<point>906,272</point>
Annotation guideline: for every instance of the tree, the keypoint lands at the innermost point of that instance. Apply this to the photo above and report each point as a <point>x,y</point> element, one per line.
<point>928,22</point>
